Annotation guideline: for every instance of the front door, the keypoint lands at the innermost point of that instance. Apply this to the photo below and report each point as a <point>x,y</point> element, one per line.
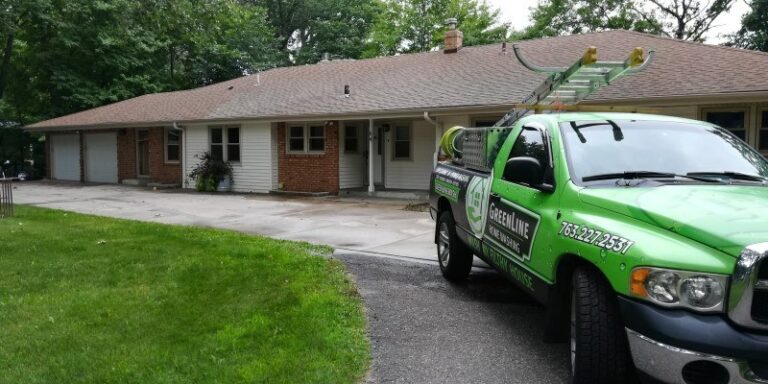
<point>142,152</point>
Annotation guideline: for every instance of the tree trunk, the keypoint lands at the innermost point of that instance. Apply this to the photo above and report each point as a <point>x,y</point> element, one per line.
<point>6,65</point>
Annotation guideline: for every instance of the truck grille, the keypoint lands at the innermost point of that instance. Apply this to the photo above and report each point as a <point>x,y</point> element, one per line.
<point>760,300</point>
<point>748,300</point>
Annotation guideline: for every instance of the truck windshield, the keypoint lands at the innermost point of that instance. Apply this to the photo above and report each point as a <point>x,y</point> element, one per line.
<point>605,149</point>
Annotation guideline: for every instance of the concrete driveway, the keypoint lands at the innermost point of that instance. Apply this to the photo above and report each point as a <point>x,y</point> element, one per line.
<point>382,227</point>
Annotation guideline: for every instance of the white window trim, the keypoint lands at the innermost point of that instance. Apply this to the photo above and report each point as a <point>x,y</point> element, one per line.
<point>393,130</point>
<point>225,141</point>
<point>357,127</point>
<point>306,138</point>
<point>165,146</point>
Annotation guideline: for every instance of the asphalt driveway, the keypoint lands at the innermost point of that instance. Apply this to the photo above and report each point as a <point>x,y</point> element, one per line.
<point>425,330</point>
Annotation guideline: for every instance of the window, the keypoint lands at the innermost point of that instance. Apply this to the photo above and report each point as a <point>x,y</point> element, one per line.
<point>172,145</point>
<point>763,145</point>
<point>296,138</point>
<point>531,143</point>
<point>734,120</point>
<point>402,142</point>
<point>316,138</point>
<point>350,138</point>
<point>225,143</point>
<point>306,138</point>
<point>485,122</point>
<point>233,144</point>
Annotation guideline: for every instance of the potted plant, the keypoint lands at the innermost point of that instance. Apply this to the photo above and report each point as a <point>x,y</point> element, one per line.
<point>210,173</point>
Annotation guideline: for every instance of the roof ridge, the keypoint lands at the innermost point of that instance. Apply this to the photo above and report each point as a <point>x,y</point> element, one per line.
<point>696,43</point>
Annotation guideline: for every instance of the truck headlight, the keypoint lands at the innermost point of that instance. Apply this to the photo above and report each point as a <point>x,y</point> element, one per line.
<point>703,292</point>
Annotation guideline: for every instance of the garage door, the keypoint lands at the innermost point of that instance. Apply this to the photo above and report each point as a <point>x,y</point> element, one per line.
<point>65,151</point>
<point>101,157</point>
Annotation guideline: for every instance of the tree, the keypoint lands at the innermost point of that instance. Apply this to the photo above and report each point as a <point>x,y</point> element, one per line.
<point>686,19</point>
<point>560,17</point>
<point>681,19</point>
<point>418,25</point>
<point>305,30</point>
<point>754,28</point>
<point>70,55</point>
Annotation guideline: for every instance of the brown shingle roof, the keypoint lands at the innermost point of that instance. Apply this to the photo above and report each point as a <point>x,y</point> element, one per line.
<point>475,76</point>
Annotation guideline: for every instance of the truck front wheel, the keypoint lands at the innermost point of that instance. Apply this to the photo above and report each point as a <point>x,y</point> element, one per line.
<point>599,348</point>
<point>454,257</point>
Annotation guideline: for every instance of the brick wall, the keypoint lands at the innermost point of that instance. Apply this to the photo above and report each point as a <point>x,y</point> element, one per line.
<point>126,154</point>
<point>159,170</point>
<point>310,172</point>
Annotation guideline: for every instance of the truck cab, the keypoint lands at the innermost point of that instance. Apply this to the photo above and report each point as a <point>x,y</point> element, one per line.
<point>646,237</point>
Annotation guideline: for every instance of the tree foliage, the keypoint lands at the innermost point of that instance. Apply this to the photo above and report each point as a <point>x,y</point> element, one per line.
<point>70,55</point>
<point>686,19</point>
<point>754,28</point>
<point>561,17</point>
<point>305,30</point>
<point>409,26</point>
<point>681,19</point>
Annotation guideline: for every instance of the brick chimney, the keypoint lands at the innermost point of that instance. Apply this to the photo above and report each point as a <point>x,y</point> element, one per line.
<point>454,38</point>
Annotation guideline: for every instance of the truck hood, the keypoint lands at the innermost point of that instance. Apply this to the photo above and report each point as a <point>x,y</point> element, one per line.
<point>724,217</point>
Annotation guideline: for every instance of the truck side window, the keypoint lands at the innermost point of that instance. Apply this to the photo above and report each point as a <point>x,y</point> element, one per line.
<point>531,143</point>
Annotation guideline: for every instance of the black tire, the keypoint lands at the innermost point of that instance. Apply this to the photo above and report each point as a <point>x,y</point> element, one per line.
<point>454,257</point>
<point>599,348</point>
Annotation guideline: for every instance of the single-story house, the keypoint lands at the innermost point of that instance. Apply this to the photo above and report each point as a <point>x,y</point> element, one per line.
<point>375,124</point>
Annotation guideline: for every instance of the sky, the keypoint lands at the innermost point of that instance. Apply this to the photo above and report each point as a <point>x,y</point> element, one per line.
<point>517,12</point>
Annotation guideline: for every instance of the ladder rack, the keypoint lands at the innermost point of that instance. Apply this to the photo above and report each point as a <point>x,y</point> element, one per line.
<point>568,86</point>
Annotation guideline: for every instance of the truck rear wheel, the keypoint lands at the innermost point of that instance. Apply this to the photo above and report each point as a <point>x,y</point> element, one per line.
<point>454,257</point>
<point>599,348</point>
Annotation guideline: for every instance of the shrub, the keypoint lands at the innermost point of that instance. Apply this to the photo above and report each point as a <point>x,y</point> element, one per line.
<point>209,172</point>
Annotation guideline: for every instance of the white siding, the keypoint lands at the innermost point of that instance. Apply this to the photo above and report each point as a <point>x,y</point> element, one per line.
<point>352,165</point>
<point>196,142</point>
<point>254,172</point>
<point>413,173</point>
<point>275,159</point>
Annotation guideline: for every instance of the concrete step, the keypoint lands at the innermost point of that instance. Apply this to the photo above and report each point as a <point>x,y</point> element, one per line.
<point>141,182</point>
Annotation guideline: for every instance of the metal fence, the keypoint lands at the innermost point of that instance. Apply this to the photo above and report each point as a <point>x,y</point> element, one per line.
<point>6,198</point>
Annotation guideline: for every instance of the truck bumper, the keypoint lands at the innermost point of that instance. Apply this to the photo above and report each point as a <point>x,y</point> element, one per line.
<point>675,346</point>
<point>666,364</point>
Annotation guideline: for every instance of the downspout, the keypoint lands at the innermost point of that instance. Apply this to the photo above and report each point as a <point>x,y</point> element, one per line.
<point>175,126</point>
<point>438,133</point>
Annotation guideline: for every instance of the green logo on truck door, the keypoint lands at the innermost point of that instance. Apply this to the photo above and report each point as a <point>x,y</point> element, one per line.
<point>477,203</point>
<point>512,227</point>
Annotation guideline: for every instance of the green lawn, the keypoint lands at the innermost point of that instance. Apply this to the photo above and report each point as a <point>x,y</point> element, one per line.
<point>85,299</point>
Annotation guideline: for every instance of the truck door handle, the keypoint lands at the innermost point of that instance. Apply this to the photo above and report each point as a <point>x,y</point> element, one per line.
<point>494,194</point>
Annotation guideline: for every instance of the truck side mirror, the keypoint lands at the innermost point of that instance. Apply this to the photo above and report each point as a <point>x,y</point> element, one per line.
<point>528,171</point>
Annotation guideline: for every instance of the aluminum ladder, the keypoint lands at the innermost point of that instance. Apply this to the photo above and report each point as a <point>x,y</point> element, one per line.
<point>568,86</point>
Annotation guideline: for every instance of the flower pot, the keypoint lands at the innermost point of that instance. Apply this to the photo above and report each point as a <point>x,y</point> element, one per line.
<point>225,184</point>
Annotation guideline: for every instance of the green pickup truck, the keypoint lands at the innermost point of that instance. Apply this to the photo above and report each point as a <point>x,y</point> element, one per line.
<point>646,237</point>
